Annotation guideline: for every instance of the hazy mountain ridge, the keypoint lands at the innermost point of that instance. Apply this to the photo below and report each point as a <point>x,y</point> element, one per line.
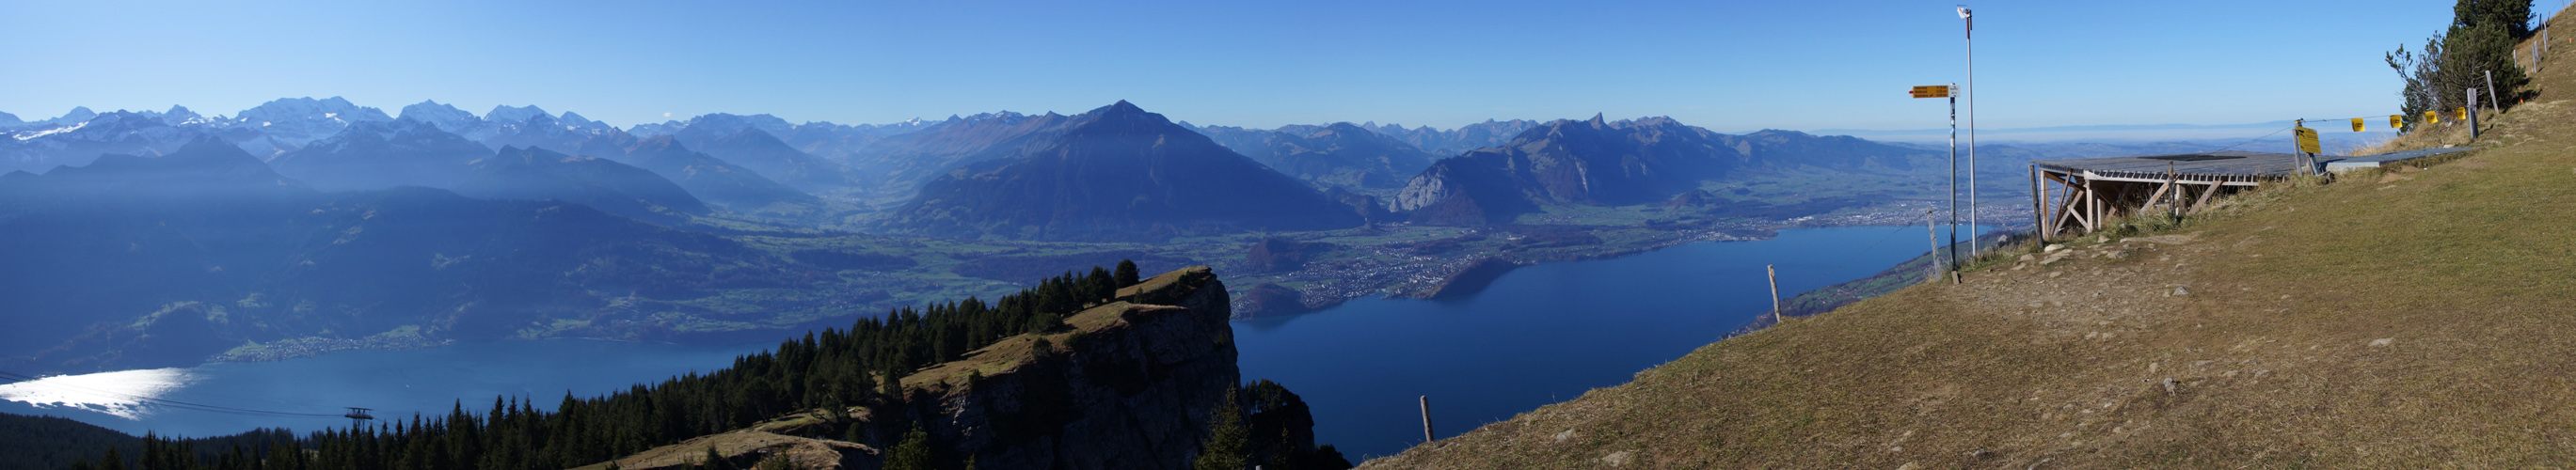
<point>899,165</point>
<point>708,178</point>
<point>170,259</point>
<point>373,155</point>
<point>1335,155</point>
<point>1626,162</point>
<point>1117,173</point>
<point>763,153</point>
<point>540,174</point>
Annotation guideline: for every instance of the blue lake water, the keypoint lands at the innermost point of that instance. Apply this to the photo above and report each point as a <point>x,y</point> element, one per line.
<point>396,383</point>
<point>1539,335</point>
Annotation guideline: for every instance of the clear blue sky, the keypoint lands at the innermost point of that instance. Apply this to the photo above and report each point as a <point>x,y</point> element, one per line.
<point>1728,66</point>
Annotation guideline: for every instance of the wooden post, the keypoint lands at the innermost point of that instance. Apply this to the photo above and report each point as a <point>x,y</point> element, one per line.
<point>2473,113</point>
<point>2036,204</point>
<point>2491,93</point>
<point>2171,200</point>
<point>1774,272</point>
<point>1426,419</point>
<point>1931,233</point>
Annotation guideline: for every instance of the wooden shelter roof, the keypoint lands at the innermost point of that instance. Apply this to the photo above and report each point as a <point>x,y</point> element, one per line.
<point>2207,164</point>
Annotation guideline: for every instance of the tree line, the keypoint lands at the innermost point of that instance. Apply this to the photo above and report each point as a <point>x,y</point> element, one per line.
<point>2479,40</point>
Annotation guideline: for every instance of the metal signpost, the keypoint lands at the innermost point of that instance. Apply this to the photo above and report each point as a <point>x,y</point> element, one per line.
<point>1943,91</point>
<point>1970,34</point>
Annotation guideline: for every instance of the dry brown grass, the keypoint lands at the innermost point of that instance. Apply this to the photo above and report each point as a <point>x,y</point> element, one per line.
<point>2411,318</point>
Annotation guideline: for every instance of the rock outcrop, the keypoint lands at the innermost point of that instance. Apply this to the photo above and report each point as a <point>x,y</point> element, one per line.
<point>1133,385</point>
<point>1471,280</point>
<point>1133,388</point>
<point>1270,300</point>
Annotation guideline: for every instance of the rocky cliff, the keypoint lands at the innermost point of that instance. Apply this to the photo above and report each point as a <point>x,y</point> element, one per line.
<point>1130,384</point>
<point>1131,387</point>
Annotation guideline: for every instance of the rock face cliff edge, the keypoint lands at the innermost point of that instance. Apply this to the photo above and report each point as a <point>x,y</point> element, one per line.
<point>1129,384</point>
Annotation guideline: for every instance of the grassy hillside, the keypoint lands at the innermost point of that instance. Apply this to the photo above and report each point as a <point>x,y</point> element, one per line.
<point>2392,319</point>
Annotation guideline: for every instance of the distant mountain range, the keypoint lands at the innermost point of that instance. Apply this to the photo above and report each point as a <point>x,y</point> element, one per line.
<point>883,176</point>
<point>1115,173</point>
<point>1336,155</point>
<point>1626,162</point>
<point>197,251</point>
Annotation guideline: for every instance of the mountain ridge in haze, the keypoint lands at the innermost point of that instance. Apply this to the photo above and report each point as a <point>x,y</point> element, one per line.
<point>1117,173</point>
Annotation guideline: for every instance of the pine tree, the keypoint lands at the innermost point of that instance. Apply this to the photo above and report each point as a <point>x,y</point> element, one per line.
<point>113,460</point>
<point>715,461</point>
<point>2511,16</point>
<point>1127,275</point>
<point>1225,446</point>
<point>1101,285</point>
<point>913,453</point>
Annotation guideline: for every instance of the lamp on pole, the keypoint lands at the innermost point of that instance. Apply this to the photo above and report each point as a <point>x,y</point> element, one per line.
<point>1970,22</point>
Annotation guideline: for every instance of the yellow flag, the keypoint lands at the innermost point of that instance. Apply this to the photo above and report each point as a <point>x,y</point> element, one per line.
<point>2356,124</point>
<point>2431,117</point>
<point>2307,140</point>
<point>2462,112</point>
<point>2396,121</point>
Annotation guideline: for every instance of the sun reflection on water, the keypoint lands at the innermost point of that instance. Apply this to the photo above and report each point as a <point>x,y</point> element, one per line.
<point>121,393</point>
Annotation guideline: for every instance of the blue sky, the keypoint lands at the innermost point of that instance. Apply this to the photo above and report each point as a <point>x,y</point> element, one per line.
<point>1728,66</point>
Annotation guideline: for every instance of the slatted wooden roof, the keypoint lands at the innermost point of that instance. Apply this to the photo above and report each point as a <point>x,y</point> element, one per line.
<point>2226,164</point>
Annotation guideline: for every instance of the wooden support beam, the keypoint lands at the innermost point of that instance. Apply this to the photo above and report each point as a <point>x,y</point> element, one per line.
<point>2206,195</point>
<point>2093,203</point>
<point>2037,202</point>
<point>2072,206</point>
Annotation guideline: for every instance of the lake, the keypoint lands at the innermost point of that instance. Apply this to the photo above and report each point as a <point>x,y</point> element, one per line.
<point>396,383</point>
<point>1539,335</point>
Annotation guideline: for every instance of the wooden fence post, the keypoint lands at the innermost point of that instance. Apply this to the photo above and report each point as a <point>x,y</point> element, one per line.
<point>1774,272</point>
<point>1426,419</point>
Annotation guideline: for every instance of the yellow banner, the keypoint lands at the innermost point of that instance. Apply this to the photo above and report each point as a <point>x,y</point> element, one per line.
<point>2431,117</point>
<point>1931,91</point>
<point>2307,140</point>
<point>2396,121</point>
<point>2356,124</point>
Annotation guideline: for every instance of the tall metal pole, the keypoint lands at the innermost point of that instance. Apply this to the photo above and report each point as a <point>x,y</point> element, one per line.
<point>1953,262</point>
<point>1971,35</point>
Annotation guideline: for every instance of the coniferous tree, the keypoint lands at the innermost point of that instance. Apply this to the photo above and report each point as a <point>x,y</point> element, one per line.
<point>1127,275</point>
<point>113,460</point>
<point>716,461</point>
<point>1101,285</point>
<point>2480,41</point>
<point>1225,448</point>
<point>913,453</point>
<point>2512,16</point>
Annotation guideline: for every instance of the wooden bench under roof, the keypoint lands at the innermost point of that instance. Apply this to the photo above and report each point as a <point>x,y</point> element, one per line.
<point>2085,193</point>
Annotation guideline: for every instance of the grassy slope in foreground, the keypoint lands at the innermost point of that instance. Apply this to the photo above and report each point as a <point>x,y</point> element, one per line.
<point>2389,320</point>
